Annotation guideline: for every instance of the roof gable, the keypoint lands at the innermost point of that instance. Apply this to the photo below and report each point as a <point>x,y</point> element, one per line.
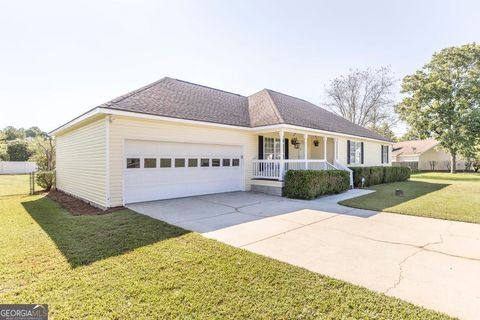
<point>413,147</point>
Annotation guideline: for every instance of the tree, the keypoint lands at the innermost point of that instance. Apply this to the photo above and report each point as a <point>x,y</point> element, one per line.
<point>11,133</point>
<point>363,97</point>
<point>44,153</point>
<point>385,130</point>
<point>411,134</point>
<point>443,99</point>
<point>18,151</point>
<point>33,132</point>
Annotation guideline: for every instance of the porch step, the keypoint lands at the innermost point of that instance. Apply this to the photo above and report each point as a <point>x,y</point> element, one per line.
<point>271,187</point>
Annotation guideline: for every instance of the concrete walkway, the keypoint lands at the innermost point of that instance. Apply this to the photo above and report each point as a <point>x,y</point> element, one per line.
<point>430,262</point>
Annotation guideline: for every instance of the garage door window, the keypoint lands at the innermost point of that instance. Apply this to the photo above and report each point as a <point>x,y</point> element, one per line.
<point>193,162</point>
<point>226,162</point>
<point>165,163</point>
<point>205,162</point>
<point>215,162</point>
<point>149,163</point>
<point>179,163</point>
<point>133,163</point>
<point>235,162</point>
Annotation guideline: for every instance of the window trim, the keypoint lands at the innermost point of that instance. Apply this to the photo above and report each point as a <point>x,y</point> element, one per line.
<point>276,148</point>
<point>356,150</point>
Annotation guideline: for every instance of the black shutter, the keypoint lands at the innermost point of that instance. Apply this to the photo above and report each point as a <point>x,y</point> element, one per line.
<point>260,147</point>
<point>381,153</point>
<point>286,149</point>
<point>348,151</point>
<point>362,152</point>
<point>388,149</point>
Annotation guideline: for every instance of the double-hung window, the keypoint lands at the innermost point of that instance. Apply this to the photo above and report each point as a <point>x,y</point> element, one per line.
<point>384,154</point>
<point>356,150</point>
<point>271,148</point>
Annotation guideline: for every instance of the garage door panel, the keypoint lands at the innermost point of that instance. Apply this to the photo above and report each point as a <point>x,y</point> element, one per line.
<point>147,184</point>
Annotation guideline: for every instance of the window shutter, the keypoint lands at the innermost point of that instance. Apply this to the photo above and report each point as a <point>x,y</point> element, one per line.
<point>361,152</point>
<point>285,155</point>
<point>260,147</point>
<point>381,154</point>
<point>388,150</point>
<point>348,151</point>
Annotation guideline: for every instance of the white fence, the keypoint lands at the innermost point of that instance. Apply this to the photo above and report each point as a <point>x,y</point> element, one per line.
<point>17,167</point>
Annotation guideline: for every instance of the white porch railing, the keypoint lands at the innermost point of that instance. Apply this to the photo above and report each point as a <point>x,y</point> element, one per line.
<point>270,169</point>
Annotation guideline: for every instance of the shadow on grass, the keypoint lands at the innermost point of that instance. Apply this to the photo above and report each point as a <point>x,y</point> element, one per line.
<point>385,197</point>
<point>86,239</point>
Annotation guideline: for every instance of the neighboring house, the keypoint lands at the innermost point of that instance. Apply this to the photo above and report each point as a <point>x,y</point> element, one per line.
<point>424,155</point>
<point>174,139</point>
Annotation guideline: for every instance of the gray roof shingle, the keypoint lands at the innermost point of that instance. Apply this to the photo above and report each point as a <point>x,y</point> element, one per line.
<point>184,100</point>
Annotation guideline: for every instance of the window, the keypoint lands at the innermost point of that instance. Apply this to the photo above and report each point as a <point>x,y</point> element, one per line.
<point>179,163</point>
<point>204,162</point>
<point>384,154</point>
<point>165,163</point>
<point>215,162</point>
<point>133,163</point>
<point>235,162</point>
<point>355,152</point>
<point>149,163</point>
<point>271,148</point>
<point>192,162</point>
<point>226,163</point>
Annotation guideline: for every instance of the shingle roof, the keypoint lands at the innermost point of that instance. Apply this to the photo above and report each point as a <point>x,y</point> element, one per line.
<point>180,99</point>
<point>413,147</point>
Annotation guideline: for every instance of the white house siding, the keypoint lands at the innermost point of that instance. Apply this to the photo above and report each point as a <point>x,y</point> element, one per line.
<point>440,157</point>
<point>122,128</point>
<point>81,162</point>
<point>372,152</point>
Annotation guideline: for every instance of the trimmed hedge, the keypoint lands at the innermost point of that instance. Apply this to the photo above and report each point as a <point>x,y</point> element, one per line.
<point>310,184</point>
<point>379,175</point>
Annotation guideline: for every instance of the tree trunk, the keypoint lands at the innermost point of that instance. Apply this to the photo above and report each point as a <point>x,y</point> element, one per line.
<point>453,168</point>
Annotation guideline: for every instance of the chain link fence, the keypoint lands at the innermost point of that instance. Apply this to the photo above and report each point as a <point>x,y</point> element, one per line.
<point>18,184</point>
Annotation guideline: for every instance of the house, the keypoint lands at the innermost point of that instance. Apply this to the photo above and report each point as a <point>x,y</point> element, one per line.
<point>175,139</point>
<point>423,155</point>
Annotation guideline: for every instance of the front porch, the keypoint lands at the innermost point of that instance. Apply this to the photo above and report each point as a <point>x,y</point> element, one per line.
<point>281,151</point>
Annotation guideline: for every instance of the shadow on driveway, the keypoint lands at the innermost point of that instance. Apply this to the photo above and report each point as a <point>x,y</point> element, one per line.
<point>87,239</point>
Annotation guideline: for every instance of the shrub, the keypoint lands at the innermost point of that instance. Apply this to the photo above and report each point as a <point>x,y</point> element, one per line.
<point>378,175</point>
<point>310,184</point>
<point>46,179</point>
<point>393,174</point>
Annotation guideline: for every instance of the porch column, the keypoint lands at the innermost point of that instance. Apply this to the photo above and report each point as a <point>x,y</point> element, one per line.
<point>335,151</point>
<point>282,152</point>
<point>305,150</point>
<point>325,148</point>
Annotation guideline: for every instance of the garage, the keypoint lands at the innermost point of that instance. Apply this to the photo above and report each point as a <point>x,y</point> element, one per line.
<point>156,170</point>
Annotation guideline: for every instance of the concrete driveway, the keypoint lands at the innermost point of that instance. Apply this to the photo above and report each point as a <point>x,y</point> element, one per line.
<point>430,262</point>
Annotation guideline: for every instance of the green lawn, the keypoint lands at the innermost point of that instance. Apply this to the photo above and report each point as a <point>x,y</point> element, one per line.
<point>15,184</point>
<point>125,265</point>
<point>435,195</point>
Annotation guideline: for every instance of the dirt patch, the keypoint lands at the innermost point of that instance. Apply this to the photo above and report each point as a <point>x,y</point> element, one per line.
<point>78,207</point>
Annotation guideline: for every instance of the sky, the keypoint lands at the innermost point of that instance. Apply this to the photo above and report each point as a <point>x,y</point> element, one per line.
<point>59,59</point>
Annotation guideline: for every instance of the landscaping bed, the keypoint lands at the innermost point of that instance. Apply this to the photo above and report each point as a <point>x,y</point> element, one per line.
<point>76,206</point>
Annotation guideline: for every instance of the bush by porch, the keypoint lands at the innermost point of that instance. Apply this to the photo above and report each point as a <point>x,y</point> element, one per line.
<point>310,184</point>
<point>379,175</point>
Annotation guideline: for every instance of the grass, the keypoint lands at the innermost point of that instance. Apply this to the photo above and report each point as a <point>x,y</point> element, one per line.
<point>15,184</point>
<point>126,265</point>
<point>434,195</point>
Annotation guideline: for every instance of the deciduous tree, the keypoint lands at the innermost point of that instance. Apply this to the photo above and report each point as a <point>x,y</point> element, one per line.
<point>443,99</point>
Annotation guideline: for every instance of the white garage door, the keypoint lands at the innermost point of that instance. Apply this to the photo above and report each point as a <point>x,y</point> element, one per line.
<point>162,170</point>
